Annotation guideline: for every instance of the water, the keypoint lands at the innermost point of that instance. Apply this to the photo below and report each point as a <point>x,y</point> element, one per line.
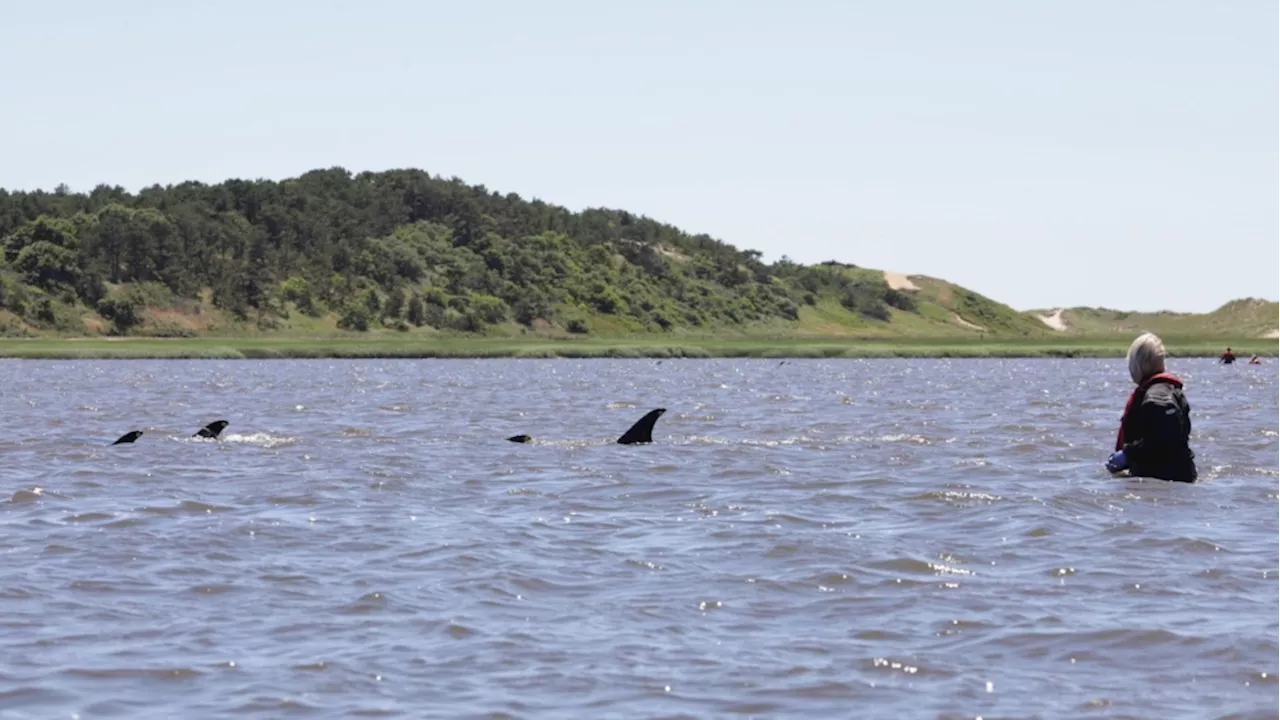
<point>887,538</point>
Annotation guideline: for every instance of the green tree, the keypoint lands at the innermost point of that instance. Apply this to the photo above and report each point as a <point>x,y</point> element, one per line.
<point>416,312</point>
<point>298,291</point>
<point>355,317</point>
<point>394,307</point>
<point>48,266</point>
<point>122,312</point>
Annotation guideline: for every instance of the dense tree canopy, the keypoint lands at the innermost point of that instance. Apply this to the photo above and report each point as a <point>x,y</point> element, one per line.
<point>395,248</point>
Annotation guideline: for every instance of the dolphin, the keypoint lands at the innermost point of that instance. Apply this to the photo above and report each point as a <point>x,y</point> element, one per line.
<point>128,437</point>
<point>639,433</point>
<point>642,431</point>
<point>211,430</point>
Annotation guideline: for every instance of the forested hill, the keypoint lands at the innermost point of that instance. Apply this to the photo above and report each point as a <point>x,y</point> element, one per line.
<point>405,250</point>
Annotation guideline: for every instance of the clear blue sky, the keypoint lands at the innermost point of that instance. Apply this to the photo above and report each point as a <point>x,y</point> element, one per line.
<point>1113,153</point>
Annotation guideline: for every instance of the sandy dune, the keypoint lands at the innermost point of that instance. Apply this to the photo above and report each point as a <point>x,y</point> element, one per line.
<point>1272,335</point>
<point>1054,320</point>
<point>899,281</point>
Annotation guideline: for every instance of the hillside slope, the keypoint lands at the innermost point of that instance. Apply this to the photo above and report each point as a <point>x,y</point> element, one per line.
<point>1243,318</point>
<point>402,251</point>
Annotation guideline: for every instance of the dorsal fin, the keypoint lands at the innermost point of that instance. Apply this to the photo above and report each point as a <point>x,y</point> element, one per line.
<point>212,430</point>
<point>128,437</point>
<point>642,431</point>
<point>520,439</point>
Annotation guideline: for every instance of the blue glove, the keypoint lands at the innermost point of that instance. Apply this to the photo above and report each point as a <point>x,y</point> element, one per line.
<point>1117,462</point>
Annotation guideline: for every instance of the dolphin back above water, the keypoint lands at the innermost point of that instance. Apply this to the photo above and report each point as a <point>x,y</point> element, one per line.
<point>639,433</point>
<point>642,431</point>
<point>212,430</point>
<point>128,437</point>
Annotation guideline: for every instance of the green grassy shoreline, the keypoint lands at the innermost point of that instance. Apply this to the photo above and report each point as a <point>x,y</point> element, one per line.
<point>392,346</point>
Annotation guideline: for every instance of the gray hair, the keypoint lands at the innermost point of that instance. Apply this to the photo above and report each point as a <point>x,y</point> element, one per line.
<point>1146,357</point>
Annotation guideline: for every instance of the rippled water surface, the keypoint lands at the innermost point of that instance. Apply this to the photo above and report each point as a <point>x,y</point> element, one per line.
<point>870,538</point>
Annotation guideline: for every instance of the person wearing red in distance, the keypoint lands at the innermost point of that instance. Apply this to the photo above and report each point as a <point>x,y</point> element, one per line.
<point>1155,430</point>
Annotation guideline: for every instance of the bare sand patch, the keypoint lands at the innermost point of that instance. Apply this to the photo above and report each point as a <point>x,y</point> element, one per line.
<point>1053,320</point>
<point>965,323</point>
<point>1272,335</point>
<point>899,281</point>
<point>673,254</point>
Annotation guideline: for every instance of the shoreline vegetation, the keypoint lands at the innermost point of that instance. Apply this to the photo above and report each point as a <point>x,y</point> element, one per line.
<point>619,347</point>
<point>401,263</point>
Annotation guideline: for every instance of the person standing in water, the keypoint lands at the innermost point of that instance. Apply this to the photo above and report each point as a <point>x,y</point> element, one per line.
<point>1155,430</point>
<point>1227,357</point>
